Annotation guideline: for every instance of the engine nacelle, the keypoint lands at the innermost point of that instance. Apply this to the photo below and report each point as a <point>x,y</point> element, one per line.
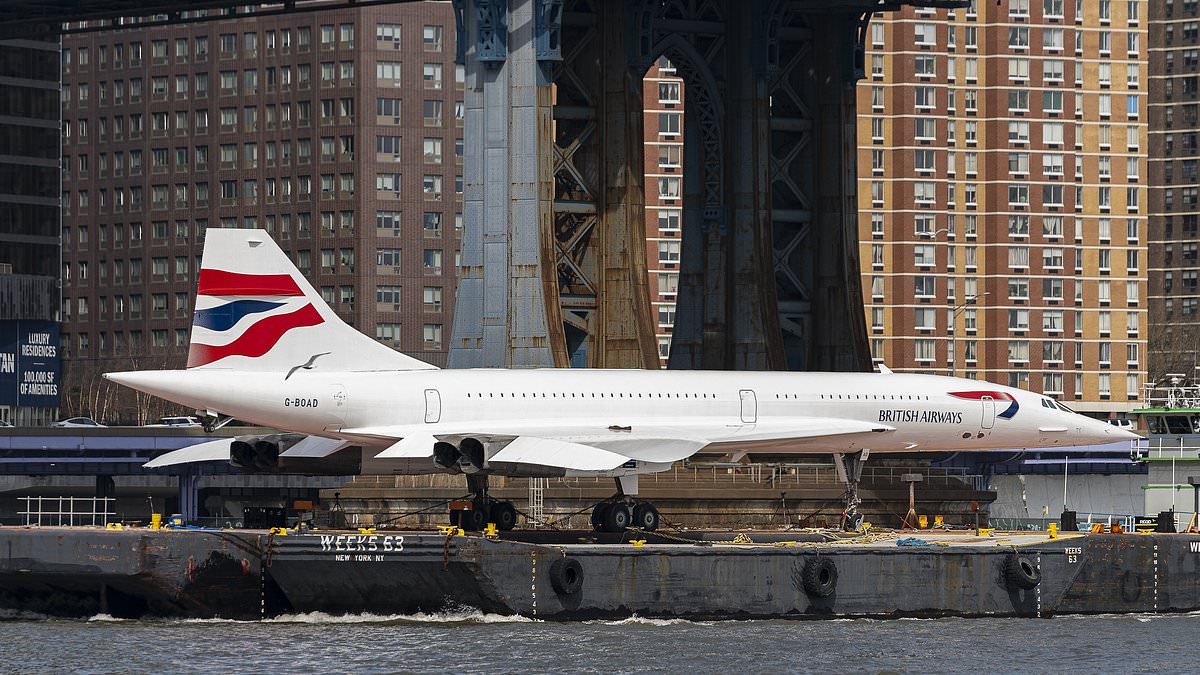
<point>260,453</point>
<point>446,456</point>
<point>473,455</point>
<point>254,454</point>
<point>241,454</point>
<point>467,457</point>
<point>266,455</point>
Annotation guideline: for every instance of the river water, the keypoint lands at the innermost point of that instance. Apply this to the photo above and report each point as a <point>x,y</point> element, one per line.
<point>475,643</point>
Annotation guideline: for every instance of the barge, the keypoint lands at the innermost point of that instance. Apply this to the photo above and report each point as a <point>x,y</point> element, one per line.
<point>581,575</point>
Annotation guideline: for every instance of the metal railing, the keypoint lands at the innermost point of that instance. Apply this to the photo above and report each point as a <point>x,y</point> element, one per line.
<point>1125,520</point>
<point>776,475</point>
<point>67,511</point>
<point>1167,447</point>
<point>1084,520</point>
<point>762,475</point>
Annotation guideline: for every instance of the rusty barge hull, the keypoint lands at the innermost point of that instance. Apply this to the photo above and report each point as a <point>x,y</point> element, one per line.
<point>131,573</point>
<point>248,575</point>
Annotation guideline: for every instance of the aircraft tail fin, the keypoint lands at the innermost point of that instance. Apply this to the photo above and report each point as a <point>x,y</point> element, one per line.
<point>256,312</point>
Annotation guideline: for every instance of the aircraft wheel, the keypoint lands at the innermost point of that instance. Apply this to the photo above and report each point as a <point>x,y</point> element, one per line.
<point>853,522</point>
<point>645,516</point>
<point>504,515</point>
<point>474,520</point>
<point>617,518</point>
<point>599,514</point>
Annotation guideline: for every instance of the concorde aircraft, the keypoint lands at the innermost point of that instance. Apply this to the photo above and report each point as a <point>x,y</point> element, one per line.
<point>265,348</point>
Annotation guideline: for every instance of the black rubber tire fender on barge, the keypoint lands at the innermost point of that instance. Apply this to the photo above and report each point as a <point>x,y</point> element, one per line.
<point>820,577</point>
<point>566,576</point>
<point>1020,573</point>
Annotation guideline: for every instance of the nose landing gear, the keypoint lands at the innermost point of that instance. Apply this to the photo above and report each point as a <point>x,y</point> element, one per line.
<point>849,468</point>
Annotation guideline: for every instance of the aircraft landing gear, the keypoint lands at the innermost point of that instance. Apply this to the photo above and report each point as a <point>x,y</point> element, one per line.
<point>623,511</point>
<point>483,509</point>
<point>849,468</point>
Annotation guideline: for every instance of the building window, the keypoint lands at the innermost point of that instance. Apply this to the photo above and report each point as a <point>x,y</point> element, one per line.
<point>431,75</point>
<point>1018,37</point>
<point>433,150</point>
<point>431,38</point>
<point>669,92</point>
<point>388,32</point>
<point>431,113</point>
<point>431,298</point>
<point>670,156</point>
<point>924,349</point>
<point>668,220</point>
<point>924,34</point>
<point>669,123</point>
<point>432,335</point>
<point>1018,132</point>
<point>668,252</point>
<point>432,261</point>
<point>431,186</point>
<point>389,71</point>
<point>1018,351</point>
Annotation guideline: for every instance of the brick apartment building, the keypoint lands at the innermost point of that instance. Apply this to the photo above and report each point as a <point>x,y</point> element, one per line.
<point>662,96</point>
<point>1174,177</point>
<point>339,132</point>
<point>1002,195</point>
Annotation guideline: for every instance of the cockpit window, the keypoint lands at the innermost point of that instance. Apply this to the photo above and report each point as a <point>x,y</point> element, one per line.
<point>1064,408</point>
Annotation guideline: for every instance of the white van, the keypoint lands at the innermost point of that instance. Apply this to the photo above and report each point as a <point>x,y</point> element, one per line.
<point>177,422</point>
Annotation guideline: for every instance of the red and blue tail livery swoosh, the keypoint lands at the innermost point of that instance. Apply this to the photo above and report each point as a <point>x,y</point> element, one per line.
<point>220,282</point>
<point>1013,406</point>
<point>258,339</point>
<point>241,296</point>
<point>226,316</point>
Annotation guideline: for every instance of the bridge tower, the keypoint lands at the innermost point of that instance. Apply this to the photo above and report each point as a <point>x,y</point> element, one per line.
<point>553,262</point>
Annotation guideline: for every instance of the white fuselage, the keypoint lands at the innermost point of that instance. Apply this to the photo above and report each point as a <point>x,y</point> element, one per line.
<point>916,412</point>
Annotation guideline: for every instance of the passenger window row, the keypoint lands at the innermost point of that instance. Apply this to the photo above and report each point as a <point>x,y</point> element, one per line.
<point>592,395</point>
<point>874,397</point>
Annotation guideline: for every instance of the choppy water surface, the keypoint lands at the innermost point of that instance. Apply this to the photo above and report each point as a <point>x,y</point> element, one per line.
<point>477,643</point>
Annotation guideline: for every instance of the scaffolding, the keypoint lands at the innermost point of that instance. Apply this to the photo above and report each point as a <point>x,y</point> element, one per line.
<point>537,501</point>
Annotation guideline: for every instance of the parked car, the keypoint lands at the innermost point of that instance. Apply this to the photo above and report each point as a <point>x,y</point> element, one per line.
<point>177,422</point>
<point>77,422</point>
<point>1123,423</point>
<point>4,424</point>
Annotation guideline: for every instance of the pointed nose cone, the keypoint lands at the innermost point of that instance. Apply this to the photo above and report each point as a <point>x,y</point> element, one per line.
<point>1100,432</point>
<point>1126,435</point>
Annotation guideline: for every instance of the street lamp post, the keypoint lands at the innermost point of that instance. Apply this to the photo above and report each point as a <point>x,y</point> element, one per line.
<point>931,236</point>
<point>954,329</point>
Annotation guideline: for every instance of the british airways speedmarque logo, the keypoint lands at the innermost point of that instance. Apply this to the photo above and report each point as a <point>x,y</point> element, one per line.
<point>1013,406</point>
<point>219,331</point>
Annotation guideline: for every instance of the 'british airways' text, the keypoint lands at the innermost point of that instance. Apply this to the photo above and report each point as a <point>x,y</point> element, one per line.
<point>923,416</point>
